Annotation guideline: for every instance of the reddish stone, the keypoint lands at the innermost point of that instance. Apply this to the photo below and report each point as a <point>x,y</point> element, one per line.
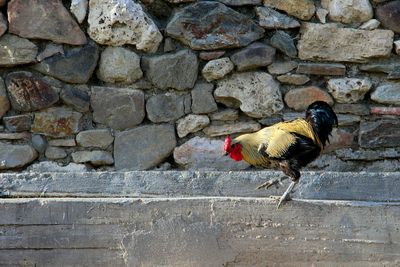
<point>211,55</point>
<point>385,111</point>
<point>321,69</point>
<point>389,15</point>
<point>300,99</point>
<point>340,139</point>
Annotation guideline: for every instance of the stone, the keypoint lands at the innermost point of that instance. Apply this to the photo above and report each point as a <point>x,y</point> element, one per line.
<point>225,115</point>
<point>55,153</point>
<point>18,123</point>
<point>389,15</point>
<point>270,19</point>
<point>76,65</point>
<point>27,91</point>
<point>143,147</point>
<point>348,11</point>
<point>39,143</point>
<point>3,24</point>
<point>3,2</point>
<point>397,47</point>
<point>51,166</point>
<point>302,9</point>
<point>4,102</point>
<point>356,109</point>
<point>370,25</point>
<point>268,121</point>
<point>295,79</point>
<point>394,74</point>
<point>15,51</point>
<point>120,22</point>
<point>180,1</point>
<point>282,67</point>
<point>379,67</point>
<point>327,162</point>
<point>79,9</point>
<point>191,124</point>
<point>210,55</point>
<point>394,111</point>
<point>366,154</point>
<point>288,116</point>
<point>175,70</point>
<point>96,157</point>
<point>119,108</point>
<point>99,138</point>
<point>321,69</point>
<point>381,133</point>
<point>57,122</point>
<point>253,56</point>
<point>300,99</point>
<point>118,64</point>
<point>65,142</point>
<point>387,93</point>
<point>256,93</point>
<point>165,107</point>
<point>209,25</point>
<point>284,43</point>
<point>75,98</point>
<point>16,156</point>
<point>240,2</point>
<point>42,19</point>
<point>217,69</point>
<point>340,138</point>
<point>318,42</point>
<point>15,136</point>
<point>201,153</point>
<point>348,119</point>
<point>321,14</point>
<point>202,98</point>
<point>349,90</point>
<point>169,45</point>
<point>222,129</point>
<point>49,51</point>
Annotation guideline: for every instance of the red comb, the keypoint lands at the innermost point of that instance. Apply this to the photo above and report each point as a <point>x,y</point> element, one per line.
<point>227,144</point>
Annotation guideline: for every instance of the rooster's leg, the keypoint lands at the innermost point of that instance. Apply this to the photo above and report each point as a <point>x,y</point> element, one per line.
<point>285,195</point>
<point>271,182</point>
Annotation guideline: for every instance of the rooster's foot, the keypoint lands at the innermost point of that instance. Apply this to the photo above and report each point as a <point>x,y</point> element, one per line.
<point>271,182</point>
<point>285,195</point>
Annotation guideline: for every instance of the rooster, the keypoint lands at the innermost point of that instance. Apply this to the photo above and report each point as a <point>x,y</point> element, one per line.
<point>288,145</point>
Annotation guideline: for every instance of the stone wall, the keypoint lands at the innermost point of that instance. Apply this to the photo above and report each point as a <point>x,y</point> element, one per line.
<point>157,84</point>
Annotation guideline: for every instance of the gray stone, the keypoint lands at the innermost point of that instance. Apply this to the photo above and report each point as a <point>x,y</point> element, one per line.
<point>240,2</point>
<point>65,142</point>
<point>387,93</point>
<point>191,124</point>
<point>4,102</point>
<point>143,147</point>
<point>201,153</point>
<point>253,56</point>
<point>284,43</point>
<point>354,11</point>
<point>177,70</point>
<point>366,154</point>
<point>349,90</point>
<point>39,143</point>
<point>169,45</point>
<point>165,107</point>
<point>95,158</point>
<point>270,19</point>
<point>295,79</point>
<point>200,25</point>
<point>383,165</point>
<point>41,19</point>
<point>331,163</point>
<point>76,98</point>
<point>18,123</point>
<point>210,55</point>
<point>222,129</point>
<point>122,22</point>
<point>389,15</point>
<point>258,93</point>
<point>302,9</point>
<point>51,166</point>
<point>29,92</point>
<point>76,65</point>
<point>202,99</point>
<point>15,136</point>
<point>321,14</point>
<point>318,42</point>
<point>57,122</point>
<point>379,67</point>
<point>217,69</point>
<point>3,24</point>
<point>15,51</point>
<point>356,109</point>
<point>321,69</point>
<point>100,138</point>
<point>118,64</point>
<point>16,156</point>
<point>49,51</point>
<point>397,47</point>
<point>382,133</point>
<point>119,108</point>
<point>370,25</point>
<point>55,153</point>
<point>79,9</point>
<point>270,120</point>
<point>282,67</point>
<point>347,119</point>
<point>225,115</point>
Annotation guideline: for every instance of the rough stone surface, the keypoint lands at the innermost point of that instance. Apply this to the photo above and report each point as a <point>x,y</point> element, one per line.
<point>39,143</point>
<point>76,65</point>
<point>42,19</point>
<point>356,109</point>
<point>295,79</point>
<point>302,9</point>
<point>79,9</point>
<point>18,123</point>
<point>385,111</point>
<point>300,99</point>
<point>49,51</point>
<point>397,47</point>
<point>143,147</point>
<point>282,67</point>
<point>65,142</point>
<point>349,90</point>
<point>165,107</point>
<point>348,11</point>
<point>339,138</point>
<point>76,98</point>
<point>370,25</point>
<point>217,69</point>
<point>51,166</point>
<point>191,124</point>
<point>270,19</point>
<point>321,14</point>
<point>177,70</point>
<point>379,67</point>
<point>222,129</point>
<point>347,119</point>
<point>202,98</point>
<point>122,22</point>
<point>210,25</point>
<point>366,154</point>
<point>240,2</point>
<point>96,157</point>
<point>119,108</point>
<point>387,93</point>
<point>210,55</point>
<point>201,153</point>
<point>29,92</point>
<point>257,92</point>
<point>321,69</point>
<point>118,64</point>
<point>15,136</point>
<point>15,50</point>
<point>253,56</point>
<point>55,153</point>
<point>15,156</point>
<point>4,102</point>
<point>389,15</point>
<point>100,138</point>
<point>3,24</point>
<point>225,115</point>
<point>318,42</point>
<point>383,133</point>
<point>57,122</point>
<point>284,43</point>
